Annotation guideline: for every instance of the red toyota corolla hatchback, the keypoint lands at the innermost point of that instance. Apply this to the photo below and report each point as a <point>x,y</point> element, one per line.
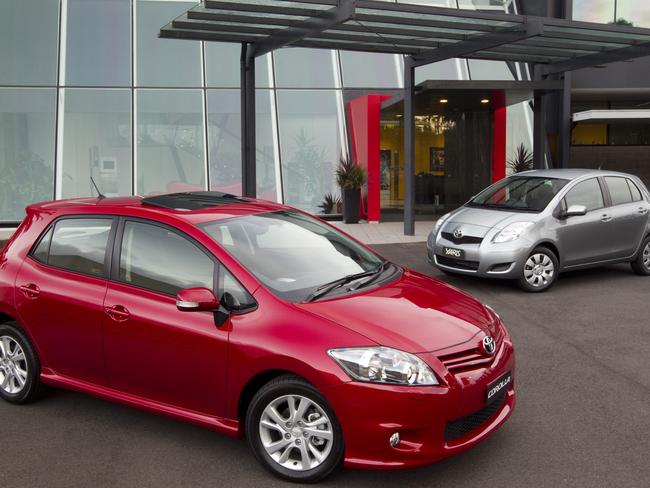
<point>250,318</point>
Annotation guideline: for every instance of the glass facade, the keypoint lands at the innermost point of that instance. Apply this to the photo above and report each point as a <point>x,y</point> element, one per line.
<point>88,90</point>
<point>624,12</point>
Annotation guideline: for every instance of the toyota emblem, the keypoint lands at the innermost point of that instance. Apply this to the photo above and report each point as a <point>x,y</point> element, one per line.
<point>458,233</point>
<point>489,346</point>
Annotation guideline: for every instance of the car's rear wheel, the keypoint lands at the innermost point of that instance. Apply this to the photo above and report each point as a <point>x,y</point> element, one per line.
<point>19,366</point>
<point>293,431</point>
<point>641,264</point>
<point>540,270</point>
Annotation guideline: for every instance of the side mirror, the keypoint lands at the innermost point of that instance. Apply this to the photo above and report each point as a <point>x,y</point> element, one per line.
<point>197,300</point>
<point>576,210</point>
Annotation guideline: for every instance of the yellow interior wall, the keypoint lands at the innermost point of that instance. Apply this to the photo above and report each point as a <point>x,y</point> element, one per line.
<point>589,134</point>
<point>393,139</point>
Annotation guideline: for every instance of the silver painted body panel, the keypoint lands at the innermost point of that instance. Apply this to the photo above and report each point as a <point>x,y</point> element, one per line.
<point>607,235</point>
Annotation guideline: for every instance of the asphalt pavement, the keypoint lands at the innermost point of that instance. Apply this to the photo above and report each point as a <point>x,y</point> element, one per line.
<point>582,418</point>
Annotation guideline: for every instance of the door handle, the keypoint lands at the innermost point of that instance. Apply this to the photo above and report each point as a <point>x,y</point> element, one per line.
<point>606,218</point>
<point>117,313</point>
<point>30,290</point>
<point>643,211</point>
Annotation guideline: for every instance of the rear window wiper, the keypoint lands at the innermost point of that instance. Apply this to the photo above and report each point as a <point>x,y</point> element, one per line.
<point>332,285</point>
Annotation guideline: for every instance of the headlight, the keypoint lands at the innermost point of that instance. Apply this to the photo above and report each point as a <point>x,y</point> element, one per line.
<point>383,365</point>
<point>439,222</point>
<point>511,232</point>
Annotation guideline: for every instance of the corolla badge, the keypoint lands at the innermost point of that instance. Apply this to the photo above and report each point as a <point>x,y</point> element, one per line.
<point>489,346</point>
<point>458,233</point>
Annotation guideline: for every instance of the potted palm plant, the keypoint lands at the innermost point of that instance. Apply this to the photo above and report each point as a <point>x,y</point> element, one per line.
<point>350,177</point>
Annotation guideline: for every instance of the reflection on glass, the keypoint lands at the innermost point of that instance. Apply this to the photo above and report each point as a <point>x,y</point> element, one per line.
<point>638,13</point>
<point>310,145</point>
<point>164,62</point>
<point>519,129</point>
<point>594,10</point>
<point>98,39</point>
<point>370,70</point>
<point>222,65</point>
<point>224,143</point>
<point>96,142</point>
<point>29,31</point>
<point>480,69</point>
<point>170,141</point>
<point>304,68</point>
<point>26,149</point>
<point>449,69</point>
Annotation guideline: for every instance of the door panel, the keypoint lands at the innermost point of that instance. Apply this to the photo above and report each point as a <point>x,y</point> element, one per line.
<point>628,218</point>
<point>64,319</point>
<point>155,351</point>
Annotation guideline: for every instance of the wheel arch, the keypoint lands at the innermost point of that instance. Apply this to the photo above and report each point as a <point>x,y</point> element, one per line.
<point>551,246</point>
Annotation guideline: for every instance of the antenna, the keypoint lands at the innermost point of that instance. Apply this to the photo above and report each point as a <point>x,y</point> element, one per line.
<point>99,193</point>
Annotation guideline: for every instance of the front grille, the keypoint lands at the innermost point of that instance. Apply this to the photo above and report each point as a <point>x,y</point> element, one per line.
<point>473,358</point>
<point>463,240</point>
<point>463,426</point>
<point>457,263</point>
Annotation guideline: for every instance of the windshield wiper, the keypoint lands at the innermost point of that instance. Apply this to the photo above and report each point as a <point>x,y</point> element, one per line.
<point>332,285</point>
<point>377,273</point>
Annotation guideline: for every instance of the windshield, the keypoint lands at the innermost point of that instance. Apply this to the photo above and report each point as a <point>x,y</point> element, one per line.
<point>291,253</point>
<point>520,193</point>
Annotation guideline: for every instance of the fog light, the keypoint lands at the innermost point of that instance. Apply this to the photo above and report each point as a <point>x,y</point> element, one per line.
<point>394,439</point>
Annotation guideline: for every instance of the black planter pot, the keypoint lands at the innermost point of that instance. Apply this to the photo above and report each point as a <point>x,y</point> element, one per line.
<point>351,205</point>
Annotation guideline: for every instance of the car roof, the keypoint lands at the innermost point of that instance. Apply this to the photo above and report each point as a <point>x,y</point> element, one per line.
<point>570,173</point>
<point>193,207</point>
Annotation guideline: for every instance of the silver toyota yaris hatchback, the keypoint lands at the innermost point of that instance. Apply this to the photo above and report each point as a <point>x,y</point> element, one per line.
<point>531,226</point>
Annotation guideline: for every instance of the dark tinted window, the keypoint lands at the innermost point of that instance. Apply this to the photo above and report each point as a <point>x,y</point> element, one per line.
<point>161,260</point>
<point>587,193</point>
<point>618,190</point>
<point>43,247</point>
<point>80,245</point>
<point>636,193</point>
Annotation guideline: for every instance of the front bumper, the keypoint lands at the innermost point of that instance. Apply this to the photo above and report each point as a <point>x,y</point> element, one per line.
<point>369,414</point>
<point>487,259</point>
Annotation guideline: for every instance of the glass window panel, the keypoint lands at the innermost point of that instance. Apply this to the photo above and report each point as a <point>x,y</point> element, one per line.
<point>222,66</point>
<point>618,190</point>
<point>449,69</point>
<point>79,245</point>
<point>27,126</point>
<point>170,141</point>
<point>310,145</point>
<point>519,120</point>
<point>594,10</point>
<point>43,249</point>
<point>161,260</point>
<point>96,142</point>
<point>480,69</point>
<point>98,38</point>
<point>224,143</point>
<point>304,68</point>
<point>638,13</point>
<point>29,31</point>
<point>370,70</point>
<point>587,193</point>
<point>164,62</point>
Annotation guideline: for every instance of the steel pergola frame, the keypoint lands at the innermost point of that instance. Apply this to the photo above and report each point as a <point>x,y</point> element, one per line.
<point>423,34</point>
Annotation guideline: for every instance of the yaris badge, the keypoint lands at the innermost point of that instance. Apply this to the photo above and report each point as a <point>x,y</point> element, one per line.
<point>489,346</point>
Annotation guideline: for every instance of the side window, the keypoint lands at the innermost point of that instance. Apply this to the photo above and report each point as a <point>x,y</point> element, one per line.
<point>229,284</point>
<point>161,260</point>
<point>587,193</point>
<point>42,250</point>
<point>80,245</point>
<point>619,190</point>
<point>636,193</point>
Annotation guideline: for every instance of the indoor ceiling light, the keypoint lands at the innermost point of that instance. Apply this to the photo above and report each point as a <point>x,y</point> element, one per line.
<point>443,100</point>
<point>485,100</point>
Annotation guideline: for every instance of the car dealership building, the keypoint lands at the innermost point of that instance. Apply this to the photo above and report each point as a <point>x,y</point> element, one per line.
<point>88,89</point>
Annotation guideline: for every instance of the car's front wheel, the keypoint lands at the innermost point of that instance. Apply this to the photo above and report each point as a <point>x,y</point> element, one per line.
<point>293,431</point>
<point>641,264</point>
<point>540,270</point>
<point>19,366</point>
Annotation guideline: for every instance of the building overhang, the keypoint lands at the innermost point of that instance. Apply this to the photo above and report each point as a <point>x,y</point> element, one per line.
<point>600,116</point>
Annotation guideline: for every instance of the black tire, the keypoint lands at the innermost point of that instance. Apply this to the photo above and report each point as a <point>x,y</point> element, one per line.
<point>641,264</point>
<point>31,388</point>
<point>549,261</point>
<point>273,391</point>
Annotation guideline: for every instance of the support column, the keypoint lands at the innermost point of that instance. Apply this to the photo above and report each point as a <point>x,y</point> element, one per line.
<point>409,148</point>
<point>539,131</point>
<point>248,152</point>
<point>564,149</point>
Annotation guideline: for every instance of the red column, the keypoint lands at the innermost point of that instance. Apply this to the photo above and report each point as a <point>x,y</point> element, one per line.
<point>499,136</point>
<point>364,121</point>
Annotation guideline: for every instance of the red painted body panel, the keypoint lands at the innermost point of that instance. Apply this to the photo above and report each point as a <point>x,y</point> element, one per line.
<point>182,365</point>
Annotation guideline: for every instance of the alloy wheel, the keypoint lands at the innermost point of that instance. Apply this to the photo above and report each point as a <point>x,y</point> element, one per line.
<point>646,256</point>
<point>296,432</point>
<point>13,366</point>
<point>539,270</point>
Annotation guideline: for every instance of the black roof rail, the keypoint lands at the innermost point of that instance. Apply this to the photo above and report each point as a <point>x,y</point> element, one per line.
<point>195,200</point>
